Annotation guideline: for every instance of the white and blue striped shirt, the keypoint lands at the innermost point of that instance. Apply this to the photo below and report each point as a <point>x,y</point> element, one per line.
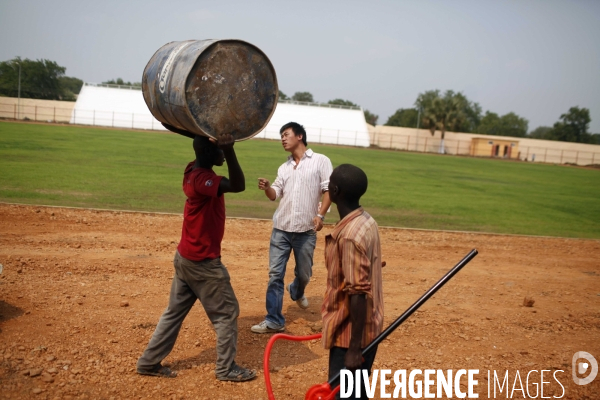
<point>300,188</point>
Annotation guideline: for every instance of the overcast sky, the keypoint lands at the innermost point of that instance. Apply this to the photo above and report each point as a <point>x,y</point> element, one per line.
<point>535,58</point>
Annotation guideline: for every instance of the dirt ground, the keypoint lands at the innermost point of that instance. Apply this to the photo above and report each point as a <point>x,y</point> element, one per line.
<point>82,291</point>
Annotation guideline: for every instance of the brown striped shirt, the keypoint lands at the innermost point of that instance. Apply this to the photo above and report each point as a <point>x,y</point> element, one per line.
<point>353,261</point>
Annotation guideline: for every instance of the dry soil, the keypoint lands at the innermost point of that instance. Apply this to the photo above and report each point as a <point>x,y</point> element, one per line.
<point>82,290</point>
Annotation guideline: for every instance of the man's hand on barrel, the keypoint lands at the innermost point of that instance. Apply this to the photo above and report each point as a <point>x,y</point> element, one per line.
<point>225,141</point>
<point>179,131</point>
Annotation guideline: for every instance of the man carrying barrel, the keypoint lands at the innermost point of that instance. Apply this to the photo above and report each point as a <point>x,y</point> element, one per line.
<point>199,273</point>
<point>301,183</point>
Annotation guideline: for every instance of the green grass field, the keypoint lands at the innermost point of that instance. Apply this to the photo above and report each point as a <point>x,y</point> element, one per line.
<point>105,168</point>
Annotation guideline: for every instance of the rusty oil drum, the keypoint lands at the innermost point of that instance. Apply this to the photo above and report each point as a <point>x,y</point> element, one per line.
<point>210,87</point>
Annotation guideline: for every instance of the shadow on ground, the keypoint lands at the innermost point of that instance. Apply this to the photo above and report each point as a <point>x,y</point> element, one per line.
<point>8,311</point>
<point>251,348</point>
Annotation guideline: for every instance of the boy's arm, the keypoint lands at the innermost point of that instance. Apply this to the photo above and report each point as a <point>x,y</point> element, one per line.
<point>358,315</point>
<point>356,269</point>
<point>263,184</point>
<point>325,204</point>
<point>236,182</point>
<point>272,191</point>
<point>325,170</point>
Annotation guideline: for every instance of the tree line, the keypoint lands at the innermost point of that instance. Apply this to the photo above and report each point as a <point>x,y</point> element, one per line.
<point>454,112</point>
<point>121,82</point>
<point>40,79</point>
<point>450,111</point>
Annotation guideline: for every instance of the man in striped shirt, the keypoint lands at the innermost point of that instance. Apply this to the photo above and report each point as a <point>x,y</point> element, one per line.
<point>302,182</point>
<point>352,308</point>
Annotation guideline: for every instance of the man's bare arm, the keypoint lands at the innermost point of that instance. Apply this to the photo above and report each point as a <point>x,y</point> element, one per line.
<point>325,204</point>
<point>236,182</point>
<point>358,316</point>
<point>264,184</point>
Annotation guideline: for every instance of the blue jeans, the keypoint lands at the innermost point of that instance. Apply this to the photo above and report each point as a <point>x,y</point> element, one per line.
<point>282,243</point>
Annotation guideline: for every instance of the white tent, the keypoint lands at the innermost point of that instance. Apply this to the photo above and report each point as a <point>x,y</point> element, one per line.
<point>124,107</point>
<point>323,123</point>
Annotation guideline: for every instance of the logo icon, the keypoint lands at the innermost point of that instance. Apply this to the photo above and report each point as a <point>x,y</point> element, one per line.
<point>209,184</point>
<point>582,367</point>
<point>162,77</point>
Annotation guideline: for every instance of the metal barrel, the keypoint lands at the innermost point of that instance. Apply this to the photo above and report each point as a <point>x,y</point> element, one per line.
<point>211,87</point>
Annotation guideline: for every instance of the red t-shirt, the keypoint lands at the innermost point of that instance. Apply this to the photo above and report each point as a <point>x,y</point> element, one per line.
<point>203,216</point>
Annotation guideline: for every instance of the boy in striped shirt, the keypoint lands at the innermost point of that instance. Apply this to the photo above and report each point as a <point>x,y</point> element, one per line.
<point>352,308</point>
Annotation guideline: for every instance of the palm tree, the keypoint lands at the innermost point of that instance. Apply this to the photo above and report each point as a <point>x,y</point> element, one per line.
<point>441,113</point>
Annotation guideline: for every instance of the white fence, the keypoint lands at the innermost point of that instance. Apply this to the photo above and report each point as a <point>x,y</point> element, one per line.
<point>115,119</point>
<point>528,150</point>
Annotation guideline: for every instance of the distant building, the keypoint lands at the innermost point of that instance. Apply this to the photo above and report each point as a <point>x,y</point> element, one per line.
<point>486,147</point>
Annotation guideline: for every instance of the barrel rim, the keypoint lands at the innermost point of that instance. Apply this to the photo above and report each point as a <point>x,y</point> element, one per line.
<point>271,67</point>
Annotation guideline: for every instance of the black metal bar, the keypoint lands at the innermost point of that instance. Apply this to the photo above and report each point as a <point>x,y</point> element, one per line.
<point>414,307</point>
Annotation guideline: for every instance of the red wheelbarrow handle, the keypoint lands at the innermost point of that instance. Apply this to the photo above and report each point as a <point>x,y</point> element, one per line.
<point>270,344</point>
<point>321,392</point>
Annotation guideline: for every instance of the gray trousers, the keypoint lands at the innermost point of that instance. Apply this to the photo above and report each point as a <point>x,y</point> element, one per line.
<point>209,282</point>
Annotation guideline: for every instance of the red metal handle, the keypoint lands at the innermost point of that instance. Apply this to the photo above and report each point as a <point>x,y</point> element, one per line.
<point>321,392</point>
<point>270,344</point>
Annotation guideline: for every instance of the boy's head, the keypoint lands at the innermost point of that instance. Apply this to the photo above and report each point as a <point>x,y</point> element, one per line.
<point>208,151</point>
<point>347,184</point>
<point>298,131</point>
